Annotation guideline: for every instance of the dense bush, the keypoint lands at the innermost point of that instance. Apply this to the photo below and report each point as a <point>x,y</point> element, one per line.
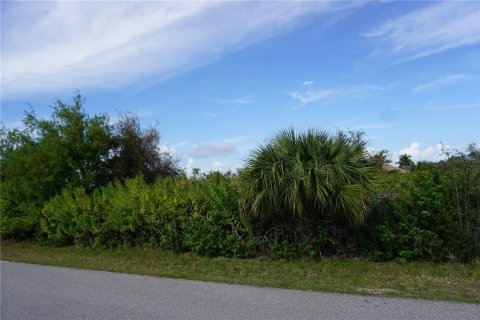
<point>460,175</point>
<point>414,220</point>
<point>198,215</point>
<point>411,219</point>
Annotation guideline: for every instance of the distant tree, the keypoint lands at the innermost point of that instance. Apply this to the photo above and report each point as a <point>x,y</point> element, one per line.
<point>137,151</point>
<point>379,159</point>
<point>405,161</point>
<point>196,173</point>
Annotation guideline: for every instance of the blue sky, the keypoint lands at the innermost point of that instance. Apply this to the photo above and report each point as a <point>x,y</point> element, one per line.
<point>219,78</point>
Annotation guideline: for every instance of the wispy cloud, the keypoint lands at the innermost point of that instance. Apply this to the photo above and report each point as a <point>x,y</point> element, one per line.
<point>50,46</point>
<point>308,96</point>
<point>365,90</point>
<point>311,95</point>
<point>443,81</point>
<point>433,29</point>
<point>308,82</point>
<point>454,107</point>
<point>241,100</point>
<point>213,149</point>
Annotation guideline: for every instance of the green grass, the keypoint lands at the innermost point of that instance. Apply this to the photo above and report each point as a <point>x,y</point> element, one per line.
<point>449,281</point>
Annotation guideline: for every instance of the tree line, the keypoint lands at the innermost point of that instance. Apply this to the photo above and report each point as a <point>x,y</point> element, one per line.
<point>79,180</point>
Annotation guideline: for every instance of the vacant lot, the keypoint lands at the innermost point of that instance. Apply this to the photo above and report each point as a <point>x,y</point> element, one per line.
<point>458,282</point>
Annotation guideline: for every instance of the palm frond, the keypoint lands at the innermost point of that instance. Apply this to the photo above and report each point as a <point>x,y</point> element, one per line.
<point>307,173</point>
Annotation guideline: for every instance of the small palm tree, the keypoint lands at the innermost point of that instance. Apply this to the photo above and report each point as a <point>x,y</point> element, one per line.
<point>307,175</point>
<point>379,159</point>
<point>405,161</point>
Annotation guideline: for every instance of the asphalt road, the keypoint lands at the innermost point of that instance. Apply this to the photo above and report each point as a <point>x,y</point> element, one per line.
<point>42,292</point>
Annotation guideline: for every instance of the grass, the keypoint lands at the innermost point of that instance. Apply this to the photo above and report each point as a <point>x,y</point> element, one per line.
<point>449,281</point>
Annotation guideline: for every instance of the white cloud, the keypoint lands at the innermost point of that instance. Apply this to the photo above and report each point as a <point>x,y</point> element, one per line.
<point>189,166</point>
<point>419,154</point>
<point>213,149</point>
<point>222,167</point>
<point>430,30</point>
<point>49,46</point>
<point>443,81</point>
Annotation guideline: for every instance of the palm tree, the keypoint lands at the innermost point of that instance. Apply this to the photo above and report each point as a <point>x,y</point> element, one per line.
<point>379,159</point>
<point>405,161</point>
<point>307,175</point>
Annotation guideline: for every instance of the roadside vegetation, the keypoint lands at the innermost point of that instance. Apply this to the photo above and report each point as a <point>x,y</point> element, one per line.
<point>77,180</point>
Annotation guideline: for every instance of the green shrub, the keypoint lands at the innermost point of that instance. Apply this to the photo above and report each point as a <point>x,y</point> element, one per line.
<point>65,218</point>
<point>22,227</point>
<point>415,223</point>
<point>197,215</point>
